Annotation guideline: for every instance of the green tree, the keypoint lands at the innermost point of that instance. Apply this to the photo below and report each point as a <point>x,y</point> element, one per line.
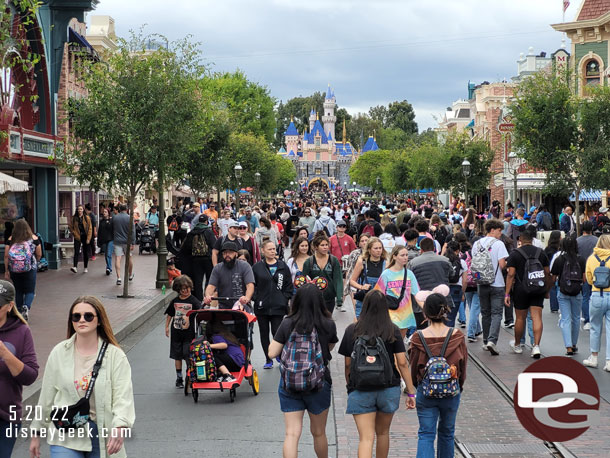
<point>562,135</point>
<point>249,104</point>
<point>138,121</point>
<point>369,166</point>
<point>359,128</point>
<point>379,113</point>
<point>402,116</point>
<point>393,138</point>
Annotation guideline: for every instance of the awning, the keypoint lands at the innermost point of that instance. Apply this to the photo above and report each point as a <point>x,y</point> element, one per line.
<point>587,196</point>
<point>470,124</point>
<point>12,184</point>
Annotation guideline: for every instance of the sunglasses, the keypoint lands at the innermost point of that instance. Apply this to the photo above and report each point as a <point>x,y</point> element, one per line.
<point>89,317</point>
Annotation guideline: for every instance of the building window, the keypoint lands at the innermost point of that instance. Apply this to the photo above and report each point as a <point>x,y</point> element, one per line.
<point>317,156</point>
<point>592,73</point>
<point>317,141</point>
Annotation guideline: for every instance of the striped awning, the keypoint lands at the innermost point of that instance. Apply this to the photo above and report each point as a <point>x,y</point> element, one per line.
<point>587,196</point>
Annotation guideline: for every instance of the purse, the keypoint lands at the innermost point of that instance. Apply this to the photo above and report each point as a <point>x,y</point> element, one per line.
<point>77,415</point>
<point>359,294</point>
<point>394,302</point>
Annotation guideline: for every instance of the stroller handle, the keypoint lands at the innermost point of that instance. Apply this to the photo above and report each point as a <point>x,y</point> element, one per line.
<point>224,298</point>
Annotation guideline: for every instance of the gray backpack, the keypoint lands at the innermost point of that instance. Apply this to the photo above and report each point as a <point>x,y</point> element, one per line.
<point>482,266</point>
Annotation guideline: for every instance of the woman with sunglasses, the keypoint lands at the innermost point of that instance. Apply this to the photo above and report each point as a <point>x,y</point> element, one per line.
<point>324,265</point>
<point>66,379</point>
<point>308,313</point>
<point>368,269</point>
<point>351,264</point>
<point>249,242</point>
<point>18,366</point>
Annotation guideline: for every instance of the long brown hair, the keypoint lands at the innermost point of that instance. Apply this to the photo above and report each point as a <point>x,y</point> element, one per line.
<point>366,254</point>
<point>295,247</point>
<point>21,232</point>
<point>397,249</point>
<point>104,330</point>
<point>318,238</point>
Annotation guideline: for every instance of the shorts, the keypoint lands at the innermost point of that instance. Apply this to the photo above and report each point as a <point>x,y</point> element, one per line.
<point>179,349</point>
<point>314,402</point>
<point>120,250</point>
<point>524,301</point>
<point>386,400</point>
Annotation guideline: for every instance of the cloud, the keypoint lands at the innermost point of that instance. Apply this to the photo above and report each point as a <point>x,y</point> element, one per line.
<point>372,52</point>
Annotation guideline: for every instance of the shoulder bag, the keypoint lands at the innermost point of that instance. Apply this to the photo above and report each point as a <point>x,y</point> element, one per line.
<point>394,302</point>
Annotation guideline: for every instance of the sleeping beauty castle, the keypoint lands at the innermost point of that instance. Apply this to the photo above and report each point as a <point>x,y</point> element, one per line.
<point>322,162</point>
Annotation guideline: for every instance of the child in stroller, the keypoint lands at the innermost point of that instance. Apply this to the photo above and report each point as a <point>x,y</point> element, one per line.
<point>228,355</point>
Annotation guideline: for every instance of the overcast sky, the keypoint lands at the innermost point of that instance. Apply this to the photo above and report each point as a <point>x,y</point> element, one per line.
<point>371,52</point>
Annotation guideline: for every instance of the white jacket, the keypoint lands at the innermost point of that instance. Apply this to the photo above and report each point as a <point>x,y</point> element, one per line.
<point>113,395</point>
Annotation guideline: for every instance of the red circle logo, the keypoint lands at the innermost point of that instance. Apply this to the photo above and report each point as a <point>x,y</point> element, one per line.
<point>556,399</point>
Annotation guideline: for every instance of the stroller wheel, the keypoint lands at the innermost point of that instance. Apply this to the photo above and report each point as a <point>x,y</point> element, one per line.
<point>254,383</point>
<point>195,395</point>
<point>232,394</point>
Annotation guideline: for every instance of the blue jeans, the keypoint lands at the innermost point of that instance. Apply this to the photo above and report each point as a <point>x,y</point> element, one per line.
<point>462,312</point>
<point>530,329</point>
<point>491,299</point>
<point>599,308</point>
<point>108,249</point>
<point>569,323</point>
<point>455,292</point>
<point>8,437</point>
<point>25,288</point>
<point>586,298</point>
<point>474,324</point>
<point>57,451</point>
<point>433,415</point>
<point>553,295</point>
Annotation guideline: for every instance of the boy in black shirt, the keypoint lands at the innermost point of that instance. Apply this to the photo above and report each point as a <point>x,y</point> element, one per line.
<point>183,329</point>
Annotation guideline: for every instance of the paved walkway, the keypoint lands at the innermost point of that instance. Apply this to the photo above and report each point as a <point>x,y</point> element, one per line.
<point>57,289</point>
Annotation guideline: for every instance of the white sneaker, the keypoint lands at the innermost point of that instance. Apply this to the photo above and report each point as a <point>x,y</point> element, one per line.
<point>535,352</point>
<point>591,361</point>
<point>74,269</point>
<point>587,326</point>
<point>86,270</point>
<point>607,366</point>
<point>515,348</point>
<point>492,348</point>
<point>485,346</point>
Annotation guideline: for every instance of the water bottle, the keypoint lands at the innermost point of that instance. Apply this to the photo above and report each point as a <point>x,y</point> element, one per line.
<point>163,290</point>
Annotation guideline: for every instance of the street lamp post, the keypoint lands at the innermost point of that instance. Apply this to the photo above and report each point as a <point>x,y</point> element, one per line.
<point>466,173</point>
<point>353,186</point>
<point>378,181</point>
<point>257,180</point>
<point>513,164</point>
<point>238,169</point>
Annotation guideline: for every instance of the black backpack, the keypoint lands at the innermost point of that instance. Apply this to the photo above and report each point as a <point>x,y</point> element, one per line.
<point>454,270</point>
<point>534,278</point>
<point>570,280</point>
<point>371,368</point>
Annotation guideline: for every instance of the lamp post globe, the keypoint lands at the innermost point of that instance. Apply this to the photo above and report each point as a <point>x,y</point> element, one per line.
<point>238,169</point>
<point>466,173</point>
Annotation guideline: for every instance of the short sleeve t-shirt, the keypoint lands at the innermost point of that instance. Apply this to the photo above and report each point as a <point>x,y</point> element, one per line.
<point>498,251</point>
<point>231,282</point>
<point>559,263</point>
<point>390,284</point>
<point>83,369</point>
<point>183,328</point>
<point>327,336</point>
<point>398,346</point>
<point>517,260</point>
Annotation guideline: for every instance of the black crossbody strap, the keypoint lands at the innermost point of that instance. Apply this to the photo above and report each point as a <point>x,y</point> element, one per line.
<point>446,343</point>
<point>404,285</point>
<point>96,369</point>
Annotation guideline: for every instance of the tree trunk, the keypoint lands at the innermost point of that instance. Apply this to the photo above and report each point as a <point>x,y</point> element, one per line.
<point>577,210</point>
<point>130,241</point>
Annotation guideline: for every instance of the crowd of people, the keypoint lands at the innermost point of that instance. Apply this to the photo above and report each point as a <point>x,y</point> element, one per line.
<point>416,273</point>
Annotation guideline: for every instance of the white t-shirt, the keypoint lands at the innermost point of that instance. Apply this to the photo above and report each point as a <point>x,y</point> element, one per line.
<point>464,268</point>
<point>498,251</point>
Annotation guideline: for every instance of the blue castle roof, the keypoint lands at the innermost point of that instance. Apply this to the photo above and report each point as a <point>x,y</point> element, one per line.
<point>370,145</point>
<point>329,93</point>
<point>292,130</point>
<point>300,154</point>
<point>345,149</point>
<point>318,130</point>
<point>291,153</point>
<point>282,150</point>
<point>330,136</point>
<point>312,112</point>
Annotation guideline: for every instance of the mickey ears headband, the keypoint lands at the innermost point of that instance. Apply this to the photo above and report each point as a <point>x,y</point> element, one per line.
<point>320,282</point>
<point>421,296</point>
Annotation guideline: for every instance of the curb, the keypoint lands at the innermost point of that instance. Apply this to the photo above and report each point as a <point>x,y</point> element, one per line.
<point>30,396</point>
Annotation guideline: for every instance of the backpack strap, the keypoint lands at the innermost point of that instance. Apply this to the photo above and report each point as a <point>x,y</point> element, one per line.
<point>446,343</point>
<point>423,341</point>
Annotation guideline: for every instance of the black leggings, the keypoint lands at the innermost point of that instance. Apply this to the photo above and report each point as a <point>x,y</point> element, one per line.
<point>77,246</point>
<point>263,326</point>
<point>222,358</point>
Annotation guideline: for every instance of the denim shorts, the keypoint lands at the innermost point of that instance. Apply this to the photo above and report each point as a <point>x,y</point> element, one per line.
<point>314,402</point>
<point>386,400</point>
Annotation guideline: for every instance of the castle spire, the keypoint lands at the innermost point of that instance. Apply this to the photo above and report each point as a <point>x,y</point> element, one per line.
<point>344,132</point>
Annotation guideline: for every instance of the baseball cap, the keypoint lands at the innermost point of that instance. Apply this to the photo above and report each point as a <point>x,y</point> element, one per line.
<point>229,246</point>
<point>242,224</point>
<point>7,292</point>
<point>248,209</point>
<point>203,218</point>
<point>603,210</point>
<point>442,216</point>
<point>341,223</point>
<point>233,223</point>
<point>533,209</point>
<point>508,215</point>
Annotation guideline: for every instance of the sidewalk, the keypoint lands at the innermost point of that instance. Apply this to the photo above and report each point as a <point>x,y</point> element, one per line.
<point>57,289</point>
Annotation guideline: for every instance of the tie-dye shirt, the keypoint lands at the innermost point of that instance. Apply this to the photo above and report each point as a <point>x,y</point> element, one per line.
<point>390,283</point>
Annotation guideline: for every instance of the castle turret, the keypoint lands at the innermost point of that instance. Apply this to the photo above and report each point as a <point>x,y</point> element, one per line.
<point>312,118</point>
<point>291,136</point>
<point>329,119</point>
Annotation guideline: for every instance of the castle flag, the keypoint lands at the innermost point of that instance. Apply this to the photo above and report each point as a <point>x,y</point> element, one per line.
<point>566,4</point>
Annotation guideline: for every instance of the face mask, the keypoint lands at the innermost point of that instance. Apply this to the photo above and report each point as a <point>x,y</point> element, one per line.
<point>230,264</point>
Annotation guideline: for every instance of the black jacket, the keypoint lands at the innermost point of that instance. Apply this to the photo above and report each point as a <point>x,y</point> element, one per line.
<point>272,294</point>
<point>186,249</point>
<point>104,232</point>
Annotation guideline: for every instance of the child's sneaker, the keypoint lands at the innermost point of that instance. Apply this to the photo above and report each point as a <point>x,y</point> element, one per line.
<point>179,382</point>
